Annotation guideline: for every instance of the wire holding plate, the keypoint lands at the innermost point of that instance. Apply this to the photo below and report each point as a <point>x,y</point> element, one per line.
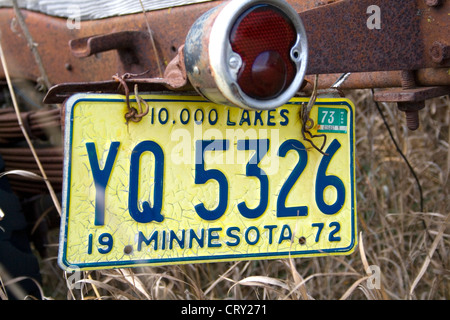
<point>308,123</point>
<point>132,114</point>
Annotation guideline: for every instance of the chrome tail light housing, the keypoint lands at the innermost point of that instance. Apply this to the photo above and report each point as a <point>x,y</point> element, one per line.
<point>251,54</point>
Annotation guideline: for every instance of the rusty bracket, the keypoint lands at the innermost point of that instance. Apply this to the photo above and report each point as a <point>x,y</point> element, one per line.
<point>411,95</point>
<point>410,99</point>
<point>132,47</point>
<point>411,36</point>
<point>174,79</point>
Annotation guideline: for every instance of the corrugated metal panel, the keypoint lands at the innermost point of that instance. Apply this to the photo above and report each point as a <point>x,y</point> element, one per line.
<point>91,10</point>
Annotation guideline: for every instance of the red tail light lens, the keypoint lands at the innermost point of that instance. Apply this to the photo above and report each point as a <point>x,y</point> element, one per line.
<point>247,53</point>
<point>263,37</point>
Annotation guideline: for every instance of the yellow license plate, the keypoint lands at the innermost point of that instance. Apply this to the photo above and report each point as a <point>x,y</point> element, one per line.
<point>198,182</point>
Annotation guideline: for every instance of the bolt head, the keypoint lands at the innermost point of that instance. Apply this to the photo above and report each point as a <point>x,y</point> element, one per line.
<point>235,62</point>
<point>439,52</point>
<point>196,71</point>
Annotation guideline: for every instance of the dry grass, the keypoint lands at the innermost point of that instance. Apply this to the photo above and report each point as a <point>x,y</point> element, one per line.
<point>409,246</point>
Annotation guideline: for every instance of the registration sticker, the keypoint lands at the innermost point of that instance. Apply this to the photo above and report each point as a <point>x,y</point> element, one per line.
<point>332,120</point>
<point>196,182</point>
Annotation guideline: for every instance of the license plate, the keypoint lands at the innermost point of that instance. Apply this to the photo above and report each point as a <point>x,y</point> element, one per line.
<point>198,182</point>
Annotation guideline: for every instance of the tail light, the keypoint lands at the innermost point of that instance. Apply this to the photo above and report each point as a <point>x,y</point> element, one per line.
<point>247,53</point>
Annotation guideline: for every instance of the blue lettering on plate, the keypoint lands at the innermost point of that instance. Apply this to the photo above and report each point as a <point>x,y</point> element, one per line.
<point>148,213</point>
<point>101,177</point>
